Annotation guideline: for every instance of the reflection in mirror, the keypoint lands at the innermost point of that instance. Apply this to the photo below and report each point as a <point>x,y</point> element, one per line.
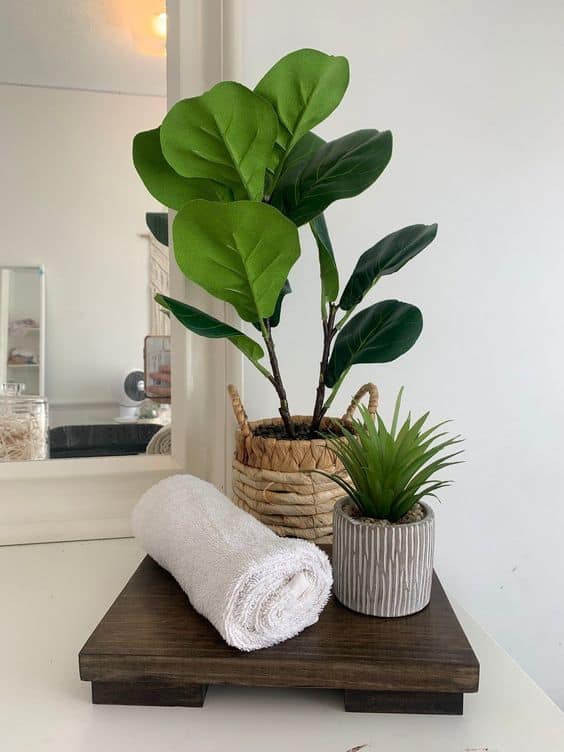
<point>22,327</point>
<point>84,248</point>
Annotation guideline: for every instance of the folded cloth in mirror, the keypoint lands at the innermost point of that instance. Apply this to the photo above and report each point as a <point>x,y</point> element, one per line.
<point>255,588</point>
<point>21,357</point>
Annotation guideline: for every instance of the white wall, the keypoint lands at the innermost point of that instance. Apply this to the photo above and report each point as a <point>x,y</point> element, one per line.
<point>472,91</point>
<point>71,200</point>
<point>108,45</point>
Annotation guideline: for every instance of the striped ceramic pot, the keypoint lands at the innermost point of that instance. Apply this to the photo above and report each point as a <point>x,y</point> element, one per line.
<point>382,570</point>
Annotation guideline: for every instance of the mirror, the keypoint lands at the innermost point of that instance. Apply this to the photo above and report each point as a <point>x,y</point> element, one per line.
<point>79,261</point>
<point>22,334</point>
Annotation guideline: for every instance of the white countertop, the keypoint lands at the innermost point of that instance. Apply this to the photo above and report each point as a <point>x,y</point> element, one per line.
<point>53,595</point>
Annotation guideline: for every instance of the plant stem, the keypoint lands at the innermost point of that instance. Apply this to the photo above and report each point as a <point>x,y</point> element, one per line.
<point>345,318</point>
<point>276,380</point>
<point>329,331</point>
<point>349,313</point>
<point>333,393</point>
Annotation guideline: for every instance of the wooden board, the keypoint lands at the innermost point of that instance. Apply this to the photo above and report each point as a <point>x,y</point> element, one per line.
<point>152,648</point>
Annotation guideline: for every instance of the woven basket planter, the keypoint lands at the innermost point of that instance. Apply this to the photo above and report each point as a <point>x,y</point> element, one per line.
<point>273,479</point>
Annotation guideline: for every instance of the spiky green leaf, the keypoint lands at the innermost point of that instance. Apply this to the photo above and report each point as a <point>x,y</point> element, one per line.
<point>391,470</point>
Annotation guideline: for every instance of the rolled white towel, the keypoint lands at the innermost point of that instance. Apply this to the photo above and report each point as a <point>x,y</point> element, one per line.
<point>255,588</point>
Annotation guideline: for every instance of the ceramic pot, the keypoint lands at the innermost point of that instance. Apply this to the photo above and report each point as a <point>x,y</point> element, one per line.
<point>382,570</point>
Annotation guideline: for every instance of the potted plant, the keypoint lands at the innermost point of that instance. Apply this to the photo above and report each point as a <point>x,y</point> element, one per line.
<point>243,170</point>
<point>384,531</point>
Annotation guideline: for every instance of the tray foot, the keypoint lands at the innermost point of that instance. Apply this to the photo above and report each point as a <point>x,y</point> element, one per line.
<point>148,693</point>
<point>431,703</point>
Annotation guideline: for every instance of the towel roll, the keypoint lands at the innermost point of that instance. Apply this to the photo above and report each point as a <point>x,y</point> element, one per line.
<point>255,588</point>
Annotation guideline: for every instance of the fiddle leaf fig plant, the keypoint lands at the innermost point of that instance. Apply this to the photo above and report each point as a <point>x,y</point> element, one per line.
<point>243,169</point>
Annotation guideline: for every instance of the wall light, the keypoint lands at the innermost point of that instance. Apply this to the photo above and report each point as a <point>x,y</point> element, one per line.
<point>144,20</point>
<point>159,25</point>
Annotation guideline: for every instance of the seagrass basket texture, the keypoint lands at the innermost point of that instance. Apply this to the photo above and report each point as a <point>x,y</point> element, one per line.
<point>273,478</point>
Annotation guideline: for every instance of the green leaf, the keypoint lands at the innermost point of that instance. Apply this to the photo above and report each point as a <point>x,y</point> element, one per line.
<point>378,334</point>
<point>300,154</point>
<point>226,135</point>
<point>157,222</point>
<point>327,264</point>
<point>391,470</point>
<point>240,252</point>
<point>386,257</point>
<point>335,170</point>
<point>207,326</point>
<point>296,159</point>
<point>275,318</point>
<point>340,481</point>
<point>304,88</point>
<point>395,417</point>
<point>162,182</point>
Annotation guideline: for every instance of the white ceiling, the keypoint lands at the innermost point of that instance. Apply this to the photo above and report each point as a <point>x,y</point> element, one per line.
<point>103,45</point>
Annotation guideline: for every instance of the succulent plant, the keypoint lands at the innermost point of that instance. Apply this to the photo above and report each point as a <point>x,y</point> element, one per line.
<point>390,470</point>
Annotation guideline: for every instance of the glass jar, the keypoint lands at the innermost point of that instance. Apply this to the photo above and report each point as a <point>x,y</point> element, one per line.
<point>24,425</point>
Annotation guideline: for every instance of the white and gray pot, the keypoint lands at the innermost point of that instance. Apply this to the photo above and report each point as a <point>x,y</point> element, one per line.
<point>382,570</point>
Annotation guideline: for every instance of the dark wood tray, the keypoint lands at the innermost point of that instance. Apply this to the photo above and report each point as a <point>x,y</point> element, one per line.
<point>152,648</point>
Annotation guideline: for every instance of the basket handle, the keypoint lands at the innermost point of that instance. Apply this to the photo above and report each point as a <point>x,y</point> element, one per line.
<point>372,392</point>
<point>239,410</point>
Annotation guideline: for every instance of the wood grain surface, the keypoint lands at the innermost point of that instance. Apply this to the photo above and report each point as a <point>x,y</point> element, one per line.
<point>152,637</point>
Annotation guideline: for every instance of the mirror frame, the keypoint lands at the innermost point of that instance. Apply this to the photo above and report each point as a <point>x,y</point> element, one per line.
<point>90,498</point>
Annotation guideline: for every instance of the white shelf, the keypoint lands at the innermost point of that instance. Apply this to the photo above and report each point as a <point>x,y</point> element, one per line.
<point>23,365</point>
